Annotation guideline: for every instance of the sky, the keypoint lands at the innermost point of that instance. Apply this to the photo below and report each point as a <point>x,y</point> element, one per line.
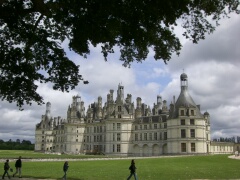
<point>213,72</point>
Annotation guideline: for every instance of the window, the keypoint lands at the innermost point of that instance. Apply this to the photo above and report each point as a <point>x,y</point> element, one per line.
<point>140,126</point>
<point>165,135</point>
<point>150,136</point>
<point>155,126</point>
<point>192,112</point>
<point>155,136</point>
<point>119,116</point>
<point>145,136</point>
<point>183,133</point>
<point>145,126</point>
<point>118,147</point>
<point>183,147</point>
<point>113,137</point>
<point>193,148</point>
<point>182,112</point>
<point>118,137</point>
<point>119,108</point>
<point>136,137</point>
<point>118,126</point>
<point>136,127</point>
<point>165,125</point>
<point>192,122</point>
<point>192,133</point>
<point>183,122</point>
<point>95,130</point>
<point>140,137</point>
<point>113,148</point>
<point>113,126</point>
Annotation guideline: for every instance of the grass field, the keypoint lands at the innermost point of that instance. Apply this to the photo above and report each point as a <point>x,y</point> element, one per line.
<point>167,168</point>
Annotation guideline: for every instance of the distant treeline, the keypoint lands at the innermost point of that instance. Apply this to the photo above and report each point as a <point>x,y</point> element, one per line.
<point>16,145</point>
<point>226,139</point>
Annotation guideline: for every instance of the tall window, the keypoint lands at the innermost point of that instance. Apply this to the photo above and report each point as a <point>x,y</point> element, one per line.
<point>118,147</point>
<point>136,137</point>
<point>193,148</point>
<point>165,135</point>
<point>113,148</point>
<point>155,126</point>
<point>192,122</point>
<point>155,136</point>
<point>183,122</point>
<point>136,127</point>
<point>118,137</point>
<point>150,136</point>
<point>183,147</point>
<point>113,137</point>
<point>145,126</point>
<point>119,108</point>
<point>192,112</point>
<point>165,125</point>
<point>145,136</point>
<point>183,133</point>
<point>182,112</point>
<point>113,126</point>
<point>140,136</point>
<point>118,126</point>
<point>192,133</point>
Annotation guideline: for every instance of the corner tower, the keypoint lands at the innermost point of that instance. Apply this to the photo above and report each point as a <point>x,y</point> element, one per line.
<point>187,128</point>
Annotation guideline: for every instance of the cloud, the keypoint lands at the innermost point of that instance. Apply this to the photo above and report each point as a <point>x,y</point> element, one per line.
<point>211,66</point>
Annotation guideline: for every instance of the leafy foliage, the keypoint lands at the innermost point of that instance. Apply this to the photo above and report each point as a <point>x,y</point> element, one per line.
<point>32,31</point>
<point>11,145</point>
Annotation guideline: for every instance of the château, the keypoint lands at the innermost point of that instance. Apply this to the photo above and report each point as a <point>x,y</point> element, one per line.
<point>124,128</point>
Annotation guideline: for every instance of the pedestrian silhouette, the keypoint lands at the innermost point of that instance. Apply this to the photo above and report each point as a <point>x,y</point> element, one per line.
<point>65,168</point>
<point>6,168</point>
<point>18,166</point>
<point>132,169</point>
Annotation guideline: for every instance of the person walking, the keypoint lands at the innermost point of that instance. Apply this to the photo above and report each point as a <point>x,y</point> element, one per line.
<point>132,169</point>
<point>65,168</point>
<point>6,168</point>
<point>18,166</point>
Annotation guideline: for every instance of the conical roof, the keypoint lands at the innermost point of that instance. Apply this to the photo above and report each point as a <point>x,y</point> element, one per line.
<point>185,100</point>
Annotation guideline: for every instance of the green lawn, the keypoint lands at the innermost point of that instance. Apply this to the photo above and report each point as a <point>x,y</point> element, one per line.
<point>169,168</point>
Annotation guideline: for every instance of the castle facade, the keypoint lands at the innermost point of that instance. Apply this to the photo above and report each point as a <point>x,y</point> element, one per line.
<point>118,127</point>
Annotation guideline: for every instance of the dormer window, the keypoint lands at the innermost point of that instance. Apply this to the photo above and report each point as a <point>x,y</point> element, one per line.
<point>182,112</point>
<point>119,108</point>
<point>192,112</point>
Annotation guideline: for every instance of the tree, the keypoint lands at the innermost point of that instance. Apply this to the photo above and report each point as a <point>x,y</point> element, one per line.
<point>32,32</point>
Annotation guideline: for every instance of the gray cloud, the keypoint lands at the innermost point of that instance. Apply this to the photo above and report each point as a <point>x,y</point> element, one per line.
<point>211,65</point>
